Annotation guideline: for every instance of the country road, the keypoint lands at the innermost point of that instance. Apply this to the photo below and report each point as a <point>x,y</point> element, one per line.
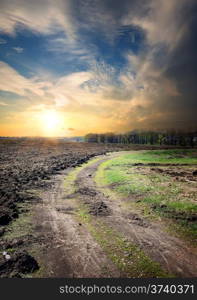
<point>73,246</point>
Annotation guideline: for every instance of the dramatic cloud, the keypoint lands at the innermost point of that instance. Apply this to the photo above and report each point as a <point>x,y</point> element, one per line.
<point>12,81</point>
<point>40,16</point>
<point>110,65</point>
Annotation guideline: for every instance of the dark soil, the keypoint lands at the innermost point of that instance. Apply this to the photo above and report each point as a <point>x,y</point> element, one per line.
<point>173,214</point>
<point>27,164</point>
<point>67,210</point>
<point>96,207</point>
<point>99,208</point>
<point>20,263</point>
<point>179,174</point>
<point>137,220</point>
<point>87,191</point>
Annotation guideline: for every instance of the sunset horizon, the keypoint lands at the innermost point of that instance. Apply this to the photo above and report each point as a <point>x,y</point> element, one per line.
<point>69,68</point>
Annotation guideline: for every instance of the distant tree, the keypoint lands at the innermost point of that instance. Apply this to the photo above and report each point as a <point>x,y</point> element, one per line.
<point>170,137</point>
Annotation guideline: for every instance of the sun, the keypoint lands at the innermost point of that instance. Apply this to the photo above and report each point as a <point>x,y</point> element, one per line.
<point>50,119</point>
<point>51,122</point>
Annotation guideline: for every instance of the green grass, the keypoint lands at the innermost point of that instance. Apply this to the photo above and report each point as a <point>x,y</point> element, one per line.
<point>182,230</point>
<point>174,152</point>
<point>183,207</point>
<point>178,156</point>
<point>164,196</point>
<point>21,226</point>
<point>125,255</point>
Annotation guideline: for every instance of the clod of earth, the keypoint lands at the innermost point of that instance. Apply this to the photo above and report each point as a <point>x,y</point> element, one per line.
<point>135,219</point>
<point>5,217</point>
<point>66,210</point>
<point>2,231</point>
<point>99,208</point>
<point>87,191</point>
<point>20,263</point>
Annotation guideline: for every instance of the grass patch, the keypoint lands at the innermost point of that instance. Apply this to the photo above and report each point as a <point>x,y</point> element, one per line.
<point>186,208</point>
<point>158,192</point>
<point>174,153</point>
<point>21,226</point>
<point>186,231</point>
<point>126,256</point>
<point>178,156</point>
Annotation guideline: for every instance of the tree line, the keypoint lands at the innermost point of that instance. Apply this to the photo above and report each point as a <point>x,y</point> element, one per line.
<point>145,137</point>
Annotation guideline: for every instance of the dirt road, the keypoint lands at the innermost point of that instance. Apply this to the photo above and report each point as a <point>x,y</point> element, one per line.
<point>70,250</point>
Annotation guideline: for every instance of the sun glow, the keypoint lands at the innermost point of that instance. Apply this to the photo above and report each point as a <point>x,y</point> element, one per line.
<point>51,122</point>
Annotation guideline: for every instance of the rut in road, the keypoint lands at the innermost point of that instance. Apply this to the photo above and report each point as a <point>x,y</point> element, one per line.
<point>69,249</point>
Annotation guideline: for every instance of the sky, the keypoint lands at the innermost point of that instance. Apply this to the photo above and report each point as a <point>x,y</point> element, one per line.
<point>71,67</point>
